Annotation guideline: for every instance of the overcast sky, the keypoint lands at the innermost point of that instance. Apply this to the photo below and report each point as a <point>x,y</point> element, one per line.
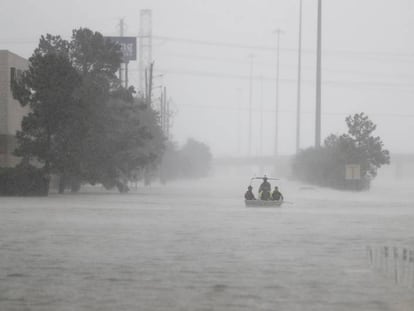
<point>368,62</point>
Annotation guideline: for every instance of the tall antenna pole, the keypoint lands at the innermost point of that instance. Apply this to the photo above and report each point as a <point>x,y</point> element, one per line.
<point>299,80</point>
<point>261,117</point>
<point>318,78</point>
<point>121,33</point>
<point>277,32</point>
<point>249,145</point>
<point>167,108</point>
<point>238,130</point>
<point>166,112</point>
<point>145,45</point>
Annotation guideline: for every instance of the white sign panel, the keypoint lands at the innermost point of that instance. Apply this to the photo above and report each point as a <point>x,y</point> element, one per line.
<point>352,172</point>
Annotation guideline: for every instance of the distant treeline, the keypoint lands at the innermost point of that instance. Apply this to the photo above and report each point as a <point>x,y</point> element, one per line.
<point>358,151</point>
<point>193,160</point>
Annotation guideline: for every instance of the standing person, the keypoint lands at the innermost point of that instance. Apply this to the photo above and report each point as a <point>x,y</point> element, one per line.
<point>277,195</point>
<point>249,194</point>
<point>264,189</point>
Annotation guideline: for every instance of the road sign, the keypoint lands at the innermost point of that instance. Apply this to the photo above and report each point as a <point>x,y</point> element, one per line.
<point>352,172</point>
<point>128,47</point>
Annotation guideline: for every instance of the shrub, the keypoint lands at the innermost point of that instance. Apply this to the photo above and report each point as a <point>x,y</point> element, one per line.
<point>23,180</point>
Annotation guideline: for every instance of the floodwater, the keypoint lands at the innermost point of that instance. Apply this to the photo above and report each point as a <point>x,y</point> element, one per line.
<point>194,246</point>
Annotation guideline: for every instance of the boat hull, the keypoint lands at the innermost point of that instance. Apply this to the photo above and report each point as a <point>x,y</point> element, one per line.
<point>262,203</point>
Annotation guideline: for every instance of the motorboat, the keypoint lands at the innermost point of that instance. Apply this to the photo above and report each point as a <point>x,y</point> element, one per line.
<point>262,203</point>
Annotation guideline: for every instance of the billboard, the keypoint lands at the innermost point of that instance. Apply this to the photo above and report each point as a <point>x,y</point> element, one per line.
<point>128,47</point>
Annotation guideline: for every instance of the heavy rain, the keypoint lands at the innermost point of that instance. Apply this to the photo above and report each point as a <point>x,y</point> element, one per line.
<point>206,155</point>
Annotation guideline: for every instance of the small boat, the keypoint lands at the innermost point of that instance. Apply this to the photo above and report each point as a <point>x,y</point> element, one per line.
<point>263,203</point>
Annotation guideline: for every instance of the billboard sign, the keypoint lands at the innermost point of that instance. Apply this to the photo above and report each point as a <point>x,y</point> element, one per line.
<point>128,47</point>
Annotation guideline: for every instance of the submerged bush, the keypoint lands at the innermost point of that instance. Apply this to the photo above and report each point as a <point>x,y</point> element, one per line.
<point>23,180</point>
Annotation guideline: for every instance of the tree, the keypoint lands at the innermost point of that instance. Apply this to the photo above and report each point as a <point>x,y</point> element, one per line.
<point>368,149</point>
<point>47,88</point>
<point>326,165</point>
<point>193,160</point>
<point>129,140</point>
<point>83,125</point>
<point>198,158</point>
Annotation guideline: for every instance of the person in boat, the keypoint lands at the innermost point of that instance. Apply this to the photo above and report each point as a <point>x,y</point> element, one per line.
<point>249,194</point>
<point>277,195</point>
<point>264,189</point>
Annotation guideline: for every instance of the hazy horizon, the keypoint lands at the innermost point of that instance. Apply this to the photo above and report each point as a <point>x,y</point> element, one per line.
<point>202,48</point>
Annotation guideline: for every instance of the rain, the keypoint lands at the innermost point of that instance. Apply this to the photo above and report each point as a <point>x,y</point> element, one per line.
<point>127,149</point>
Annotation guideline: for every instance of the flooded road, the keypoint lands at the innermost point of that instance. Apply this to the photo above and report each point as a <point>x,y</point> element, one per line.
<point>194,246</point>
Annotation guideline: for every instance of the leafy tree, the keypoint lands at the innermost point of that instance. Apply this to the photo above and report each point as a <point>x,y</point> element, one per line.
<point>193,160</point>
<point>368,149</point>
<point>198,158</point>
<point>326,165</point>
<point>47,88</point>
<point>129,140</point>
<point>83,125</point>
<point>96,60</point>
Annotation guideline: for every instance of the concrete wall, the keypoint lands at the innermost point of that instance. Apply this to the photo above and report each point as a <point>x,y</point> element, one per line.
<point>11,113</point>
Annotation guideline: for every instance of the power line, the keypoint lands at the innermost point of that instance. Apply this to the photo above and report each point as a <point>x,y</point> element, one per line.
<point>270,111</point>
<point>374,55</point>
<point>304,67</point>
<point>354,84</point>
<point>273,49</point>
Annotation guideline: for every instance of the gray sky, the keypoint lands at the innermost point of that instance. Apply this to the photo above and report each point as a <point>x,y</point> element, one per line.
<point>368,62</point>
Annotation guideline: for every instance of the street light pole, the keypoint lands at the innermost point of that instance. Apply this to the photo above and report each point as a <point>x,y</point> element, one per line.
<point>277,32</point>
<point>238,129</point>
<point>318,78</point>
<point>249,145</point>
<point>261,117</point>
<point>298,110</point>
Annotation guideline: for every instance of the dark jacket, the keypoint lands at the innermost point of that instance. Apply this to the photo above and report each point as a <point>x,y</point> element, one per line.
<point>249,195</point>
<point>277,195</point>
<point>265,186</point>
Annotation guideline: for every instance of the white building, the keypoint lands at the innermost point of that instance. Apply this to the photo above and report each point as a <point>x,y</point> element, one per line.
<point>11,113</point>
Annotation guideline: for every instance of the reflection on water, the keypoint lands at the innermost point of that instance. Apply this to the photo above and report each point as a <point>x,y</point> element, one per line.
<point>396,264</point>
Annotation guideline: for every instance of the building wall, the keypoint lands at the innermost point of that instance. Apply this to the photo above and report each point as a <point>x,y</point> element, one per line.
<point>11,113</point>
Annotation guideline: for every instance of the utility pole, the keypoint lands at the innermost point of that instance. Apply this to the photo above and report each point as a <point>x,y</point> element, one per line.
<point>238,129</point>
<point>121,33</point>
<point>249,144</point>
<point>167,108</point>
<point>318,78</point>
<point>166,113</point>
<point>162,110</point>
<point>145,45</point>
<point>299,80</point>
<point>261,117</point>
<point>278,32</point>
<point>148,84</point>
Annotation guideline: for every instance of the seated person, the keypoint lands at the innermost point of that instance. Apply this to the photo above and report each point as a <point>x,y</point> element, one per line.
<point>265,195</point>
<point>277,195</point>
<point>249,194</point>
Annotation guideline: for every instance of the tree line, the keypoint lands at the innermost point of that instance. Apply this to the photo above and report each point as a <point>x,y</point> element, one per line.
<point>326,165</point>
<point>83,125</point>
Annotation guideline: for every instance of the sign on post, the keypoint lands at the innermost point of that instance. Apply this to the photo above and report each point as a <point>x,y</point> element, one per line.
<point>128,47</point>
<point>352,172</point>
